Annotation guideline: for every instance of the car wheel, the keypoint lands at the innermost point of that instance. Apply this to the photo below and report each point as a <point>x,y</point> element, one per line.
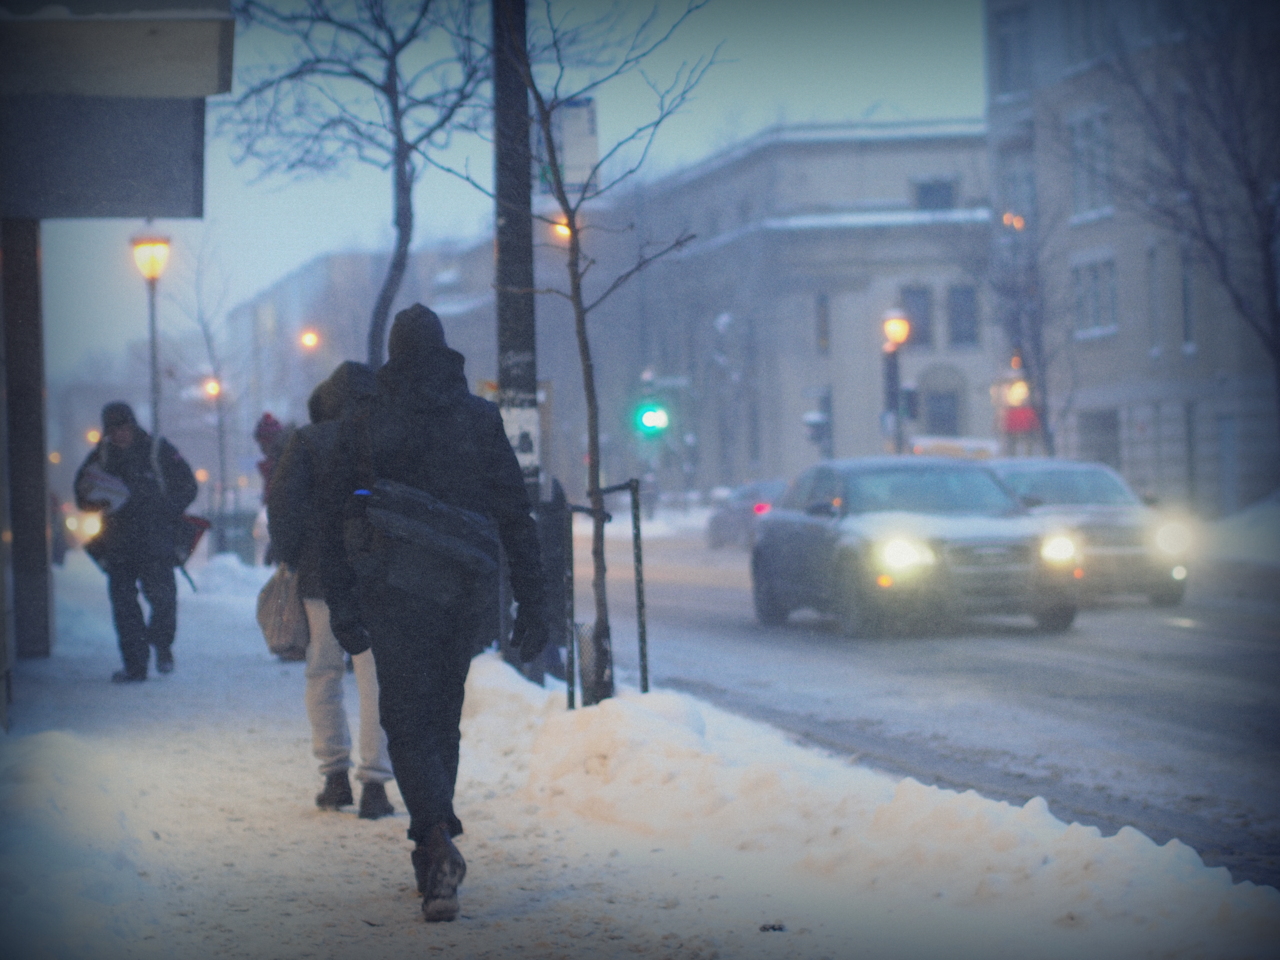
<point>1169,594</point>
<point>1056,619</point>
<point>770,611</point>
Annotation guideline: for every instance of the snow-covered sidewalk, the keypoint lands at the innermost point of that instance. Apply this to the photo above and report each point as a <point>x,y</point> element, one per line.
<point>175,819</point>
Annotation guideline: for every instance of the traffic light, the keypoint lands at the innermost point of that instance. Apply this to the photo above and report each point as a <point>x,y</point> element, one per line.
<point>651,418</point>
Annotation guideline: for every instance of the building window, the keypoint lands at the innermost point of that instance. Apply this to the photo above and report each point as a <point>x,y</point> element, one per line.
<point>822,323</point>
<point>1094,295</point>
<point>936,195</point>
<point>1091,164</point>
<point>962,316</point>
<point>917,304</point>
<point>1098,436</point>
<point>1010,50</point>
<point>1017,184</point>
<point>942,413</point>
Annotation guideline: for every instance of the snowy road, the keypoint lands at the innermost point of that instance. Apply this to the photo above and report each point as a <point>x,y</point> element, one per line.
<point>1164,720</point>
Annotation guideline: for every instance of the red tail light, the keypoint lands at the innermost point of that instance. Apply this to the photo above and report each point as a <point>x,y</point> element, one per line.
<point>762,508</point>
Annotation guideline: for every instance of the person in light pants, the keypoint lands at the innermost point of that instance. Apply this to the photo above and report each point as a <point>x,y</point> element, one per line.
<point>330,732</point>
<point>292,517</point>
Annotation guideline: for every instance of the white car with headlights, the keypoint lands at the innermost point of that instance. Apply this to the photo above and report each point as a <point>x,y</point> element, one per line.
<point>877,540</point>
<point>1128,545</point>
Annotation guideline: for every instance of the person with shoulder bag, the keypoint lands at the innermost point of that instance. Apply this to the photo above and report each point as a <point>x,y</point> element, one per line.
<point>424,484</point>
<point>293,519</point>
<point>142,486</point>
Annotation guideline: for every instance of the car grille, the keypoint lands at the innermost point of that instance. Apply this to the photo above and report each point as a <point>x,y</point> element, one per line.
<point>988,556</point>
<point>1110,536</point>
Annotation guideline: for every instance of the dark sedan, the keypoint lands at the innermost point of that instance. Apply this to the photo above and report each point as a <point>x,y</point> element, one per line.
<point>733,522</point>
<point>1128,546</point>
<point>879,540</point>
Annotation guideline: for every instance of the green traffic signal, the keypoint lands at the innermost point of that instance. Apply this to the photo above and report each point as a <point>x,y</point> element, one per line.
<point>652,418</point>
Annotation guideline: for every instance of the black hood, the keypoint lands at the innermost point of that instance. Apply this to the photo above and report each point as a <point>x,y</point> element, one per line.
<point>420,365</point>
<point>350,382</point>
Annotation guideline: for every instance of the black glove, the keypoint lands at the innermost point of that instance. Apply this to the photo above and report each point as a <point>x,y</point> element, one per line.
<point>350,632</point>
<point>530,634</point>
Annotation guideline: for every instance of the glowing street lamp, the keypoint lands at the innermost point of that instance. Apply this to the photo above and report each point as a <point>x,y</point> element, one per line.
<point>212,388</point>
<point>151,254</point>
<point>897,331</point>
<point>309,339</point>
<point>1017,393</point>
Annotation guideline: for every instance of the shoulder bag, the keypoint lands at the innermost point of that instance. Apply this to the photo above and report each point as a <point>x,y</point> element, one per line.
<point>282,616</point>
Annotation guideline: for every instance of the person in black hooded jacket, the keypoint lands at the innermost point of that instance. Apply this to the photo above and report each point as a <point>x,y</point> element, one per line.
<point>137,542</point>
<point>426,430</point>
<point>294,524</point>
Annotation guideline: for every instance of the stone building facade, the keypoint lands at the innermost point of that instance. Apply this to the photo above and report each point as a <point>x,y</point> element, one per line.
<point>804,237</point>
<point>1152,368</point>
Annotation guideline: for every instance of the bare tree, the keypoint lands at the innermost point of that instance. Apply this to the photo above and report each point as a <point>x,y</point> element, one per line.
<point>1202,89</point>
<point>549,89</point>
<point>568,59</point>
<point>1030,315</point>
<point>204,303</point>
<point>381,81</point>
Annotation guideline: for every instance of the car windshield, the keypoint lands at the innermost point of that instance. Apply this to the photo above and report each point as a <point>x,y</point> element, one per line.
<point>942,489</point>
<point>1073,486</point>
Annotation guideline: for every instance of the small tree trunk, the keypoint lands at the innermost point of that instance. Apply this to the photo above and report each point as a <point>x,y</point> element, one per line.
<point>597,660</point>
<point>402,200</point>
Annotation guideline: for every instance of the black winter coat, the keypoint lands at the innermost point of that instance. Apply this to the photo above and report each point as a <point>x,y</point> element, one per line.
<point>146,526</point>
<point>293,514</point>
<point>428,431</point>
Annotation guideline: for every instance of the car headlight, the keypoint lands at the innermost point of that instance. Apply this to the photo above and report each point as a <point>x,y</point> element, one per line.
<point>1058,548</point>
<point>904,553</point>
<point>1173,538</point>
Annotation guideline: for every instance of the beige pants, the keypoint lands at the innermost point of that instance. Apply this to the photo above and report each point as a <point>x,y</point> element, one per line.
<point>330,733</point>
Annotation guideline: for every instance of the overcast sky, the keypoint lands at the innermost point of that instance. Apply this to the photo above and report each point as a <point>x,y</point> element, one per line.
<point>805,61</point>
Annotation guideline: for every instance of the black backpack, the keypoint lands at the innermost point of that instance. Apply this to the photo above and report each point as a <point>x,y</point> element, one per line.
<point>406,539</point>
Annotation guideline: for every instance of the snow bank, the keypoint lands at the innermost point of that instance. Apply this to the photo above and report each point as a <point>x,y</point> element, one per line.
<point>668,767</point>
<point>665,522</point>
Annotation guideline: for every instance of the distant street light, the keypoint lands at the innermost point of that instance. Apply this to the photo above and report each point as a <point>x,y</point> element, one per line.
<point>1017,393</point>
<point>897,331</point>
<point>93,436</point>
<point>213,390</point>
<point>151,254</point>
<point>309,339</point>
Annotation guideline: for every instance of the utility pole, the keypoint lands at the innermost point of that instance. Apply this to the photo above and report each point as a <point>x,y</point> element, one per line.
<point>513,231</point>
<point>513,272</point>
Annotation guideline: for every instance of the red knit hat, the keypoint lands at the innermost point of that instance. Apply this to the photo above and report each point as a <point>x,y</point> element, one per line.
<point>268,429</point>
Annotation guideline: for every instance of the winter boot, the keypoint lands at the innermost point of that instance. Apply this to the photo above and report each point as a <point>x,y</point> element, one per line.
<point>336,792</point>
<point>164,661</point>
<point>374,802</point>
<point>439,869</point>
<point>124,676</point>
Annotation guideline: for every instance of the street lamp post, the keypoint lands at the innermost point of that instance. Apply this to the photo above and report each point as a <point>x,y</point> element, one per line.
<point>151,254</point>
<point>897,330</point>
